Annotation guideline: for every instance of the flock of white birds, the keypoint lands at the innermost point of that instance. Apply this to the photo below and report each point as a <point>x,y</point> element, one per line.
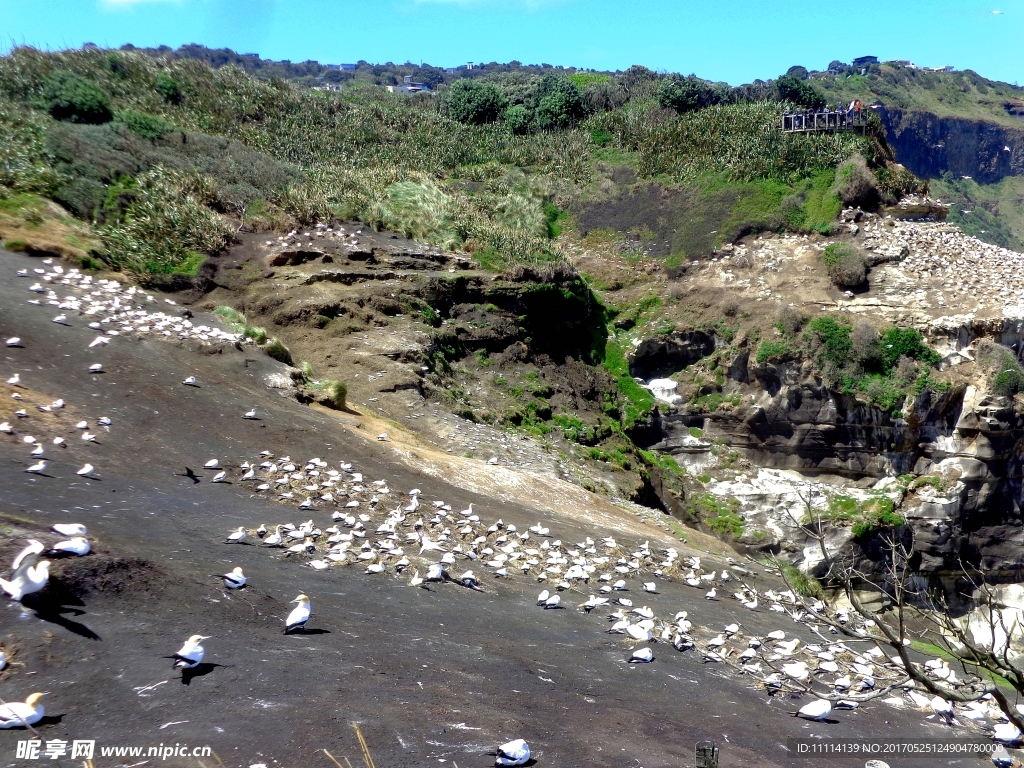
<point>432,544</point>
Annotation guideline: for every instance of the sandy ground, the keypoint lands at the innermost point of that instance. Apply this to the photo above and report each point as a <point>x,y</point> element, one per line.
<point>434,677</point>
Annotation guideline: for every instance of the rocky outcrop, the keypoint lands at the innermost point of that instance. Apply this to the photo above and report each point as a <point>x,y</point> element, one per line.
<point>930,145</point>
<point>810,443</point>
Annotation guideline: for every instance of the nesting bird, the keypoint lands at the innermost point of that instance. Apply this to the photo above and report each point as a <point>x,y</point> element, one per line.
<point>235,579</point>
<point>22,714</point>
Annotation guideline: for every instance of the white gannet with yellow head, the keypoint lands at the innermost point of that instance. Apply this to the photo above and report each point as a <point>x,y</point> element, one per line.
<point>191,653</point>
<point>299,616</point>
<point>20,715</point>
<point>233,580</point>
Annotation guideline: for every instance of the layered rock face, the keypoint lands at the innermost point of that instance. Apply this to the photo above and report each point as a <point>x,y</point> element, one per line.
<point>930,145</point>
<point>958,452</point>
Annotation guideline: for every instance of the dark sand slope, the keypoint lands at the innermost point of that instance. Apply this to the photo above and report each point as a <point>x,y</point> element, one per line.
<point>432,676</point>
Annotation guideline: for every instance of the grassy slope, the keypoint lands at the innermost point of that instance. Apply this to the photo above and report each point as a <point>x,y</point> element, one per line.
<point>946,94</point>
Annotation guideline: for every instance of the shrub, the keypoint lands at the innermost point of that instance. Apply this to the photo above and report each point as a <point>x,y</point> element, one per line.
<point>557,103</point>
<point>307,371</point>
<point>255,333</point>
<point>277,350</point>
<point>832,337</point>
<point>147,126</point>
<point>905,342</point>
<point>791,320</point>
<point>798,92</point>
<point>856,184</point>
<point>475,102</point>
<point>773,352</point>
<point>865,343</point>
<point>685,94</point>
<point>801,583</point>
<point>847,267</point>
<point>235,319</point>
<point>337,391</point>
<point>518,119</point>
<point>167,87</point>
<point>71,97</point>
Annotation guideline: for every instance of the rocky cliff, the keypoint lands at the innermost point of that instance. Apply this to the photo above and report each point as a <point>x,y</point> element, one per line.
<point>930,146</point>
<point>949,463</point>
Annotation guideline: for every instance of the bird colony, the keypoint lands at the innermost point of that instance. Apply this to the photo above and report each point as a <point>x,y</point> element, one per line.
<point>972,273</point>
<point>340,519</point>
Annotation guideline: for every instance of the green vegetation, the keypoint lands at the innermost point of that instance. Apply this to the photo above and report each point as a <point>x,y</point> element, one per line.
<point>800,582</point>
<point>637,401</point>
<point>991,212</point>
<point>475,102</point>
<point>721,515</point>
<point>774,352</point>
<point>67,96</point>
<point>862,516</point>
<point>277,350</point>
<point>846,265</point>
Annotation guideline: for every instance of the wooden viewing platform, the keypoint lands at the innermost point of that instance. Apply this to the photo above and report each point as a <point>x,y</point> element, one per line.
<point>820,122</point>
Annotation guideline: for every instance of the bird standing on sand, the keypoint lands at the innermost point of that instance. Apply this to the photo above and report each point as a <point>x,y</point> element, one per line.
<point>22,714</point>
<point>816,710</point>
<point>191,653</point>
<point>299,616</point>
<point>235,537</point>
<point>37,468</point>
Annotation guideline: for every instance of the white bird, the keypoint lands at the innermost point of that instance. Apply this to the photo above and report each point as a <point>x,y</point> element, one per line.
<point>235,579</point>
<point>69,529</point>
<point>27,580</point>
<point>219,477</point>
<point>274,539</point>
<point>941,707</point>
<point>642,656</point>
<point>1007,733</point>
<point>514,753</point>
<point>13,341</point>
<point>37,468</point>
<point>651,587</point>
<point>14,380</point>
<point>19,715</point>
<point>299,616</point>
<point>212,464</point>
<point>249,414</point>
<point>60,441</point>
<point>3,661</point>
<point>711,595</point>
<point>552,602</point>
<point>190,654</point>
<point>104,421</point>
<point>96,368</point>
<point>235,537</point>
<point>816,710</point>
<point>28,555</point>
<point>61,319</point>
<point>191,381</point>
<point>37,451</point>
<point>88,436</point>
<point>374,568</point>
<point>85,470</point>
<point>79,545</point>
<point>542,597</point>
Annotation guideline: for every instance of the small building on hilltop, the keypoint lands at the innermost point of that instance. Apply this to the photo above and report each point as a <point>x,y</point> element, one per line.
<point>408,86</point>
<point>863,61</point>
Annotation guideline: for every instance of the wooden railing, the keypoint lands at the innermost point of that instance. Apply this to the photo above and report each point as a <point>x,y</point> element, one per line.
<point>807,122</point>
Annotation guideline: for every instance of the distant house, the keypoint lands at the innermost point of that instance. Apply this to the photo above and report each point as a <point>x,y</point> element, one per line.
<point>408,86</point>
<point>863,61</point>
<point>347,67</point>
<point>905,63</point>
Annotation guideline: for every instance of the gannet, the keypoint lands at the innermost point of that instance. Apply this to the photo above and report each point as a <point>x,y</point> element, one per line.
<point>27,556</point>
<point>60,441</point>
<point>212,464</point>
<point>642,656</point>
<point>552,602</point>
<point>711,595</point>
<point>14,380</point>
<point>274,539</point>
<point>191,653</point>
<point>27,580</point>
<point>38,450</point>
<point>3,661</point>
<point>79,545</point>
<point>190,382</point>
<point>104,421</point>
<point>299,616</point>
<point>37,468</point>
<point>19,715</point>
<point>235,537</point>
<point>233,580</point>
<point>1007,733</point>
<point>249,414</point>
<point>375,568</point>
<point>651,587</point>
<point>220,477</point>
<point>816,710</point>
<point>96,368</point>
<point>14,341</point>
<point>513,753</point>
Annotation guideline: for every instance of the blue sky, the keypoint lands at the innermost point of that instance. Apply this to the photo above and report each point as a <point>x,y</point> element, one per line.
<point>732,40</point>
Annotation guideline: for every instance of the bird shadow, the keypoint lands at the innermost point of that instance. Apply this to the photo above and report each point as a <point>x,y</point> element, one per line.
<point>54,614</point>
<point>199,670</point>
<point>50,720</point>
<point>304,631</point>
<point>190,475</point>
